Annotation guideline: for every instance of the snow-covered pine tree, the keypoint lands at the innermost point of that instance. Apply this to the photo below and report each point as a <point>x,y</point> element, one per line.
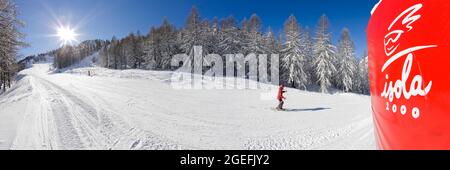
<point>271,46</point>
<point>254,41</point>
<point>150,49</point>
<point>346,64</point>
<point>230,39</point>
<point>104,56</point>
<point>65,56</point>
<point>270,43</point>
<point>212,38</point>
<point>113,53</point>
<point>363,75</point>
<point>168,44</point>
<point>244,25</point>
<point>122,53</point>
<point>160,45</point>
<point>243,33</point>
<point>205,31</point>
<point>307,49</point>
<point>191,36</point>
<point>211,35</point>
<point>324,53</point>
<point>293,58</point>
<point>136,57</point>
<point>129,58</point>
<point>10,40</point>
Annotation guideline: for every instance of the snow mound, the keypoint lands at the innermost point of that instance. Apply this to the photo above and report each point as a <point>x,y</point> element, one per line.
<point>13,106</point>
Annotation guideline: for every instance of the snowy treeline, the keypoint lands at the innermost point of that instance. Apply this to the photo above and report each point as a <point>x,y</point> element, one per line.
<point>68,54</point>
<point>10,41</point>
<point>307,61</point>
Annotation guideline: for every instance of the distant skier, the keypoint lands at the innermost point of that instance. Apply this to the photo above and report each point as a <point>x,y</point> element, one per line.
<point>281,97</point>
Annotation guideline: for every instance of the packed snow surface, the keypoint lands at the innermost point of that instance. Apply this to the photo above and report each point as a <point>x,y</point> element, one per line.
<point>137,109</point>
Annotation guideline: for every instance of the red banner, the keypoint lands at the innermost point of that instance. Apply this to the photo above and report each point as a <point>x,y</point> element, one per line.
<point>409,72</point>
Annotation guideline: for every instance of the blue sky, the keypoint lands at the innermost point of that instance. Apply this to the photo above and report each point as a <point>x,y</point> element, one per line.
<point>101,19</point>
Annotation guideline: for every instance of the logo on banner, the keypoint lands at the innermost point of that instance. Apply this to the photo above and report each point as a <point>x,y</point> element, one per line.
<point>409,85</point>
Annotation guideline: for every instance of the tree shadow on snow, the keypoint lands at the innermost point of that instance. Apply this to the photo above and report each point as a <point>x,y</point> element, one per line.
<point>309,109</point>
<point>19,77</point>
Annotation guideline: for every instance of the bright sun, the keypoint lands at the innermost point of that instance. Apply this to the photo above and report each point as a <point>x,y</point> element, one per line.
<point>66,35</point>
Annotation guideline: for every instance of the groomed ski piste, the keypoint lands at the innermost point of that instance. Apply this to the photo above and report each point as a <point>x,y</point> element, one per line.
<point>140,110</point>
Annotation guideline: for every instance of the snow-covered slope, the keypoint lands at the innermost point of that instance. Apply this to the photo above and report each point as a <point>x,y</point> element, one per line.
<point>138,109</point>
<point>12,109</point>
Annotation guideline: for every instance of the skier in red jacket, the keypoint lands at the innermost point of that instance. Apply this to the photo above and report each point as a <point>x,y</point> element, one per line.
<point>280,97</point>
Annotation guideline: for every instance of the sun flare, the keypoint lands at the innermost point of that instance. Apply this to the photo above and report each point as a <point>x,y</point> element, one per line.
<point>66,35</point>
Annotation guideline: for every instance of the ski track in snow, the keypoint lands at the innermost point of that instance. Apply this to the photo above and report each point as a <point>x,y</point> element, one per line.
<point>69,111</point>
